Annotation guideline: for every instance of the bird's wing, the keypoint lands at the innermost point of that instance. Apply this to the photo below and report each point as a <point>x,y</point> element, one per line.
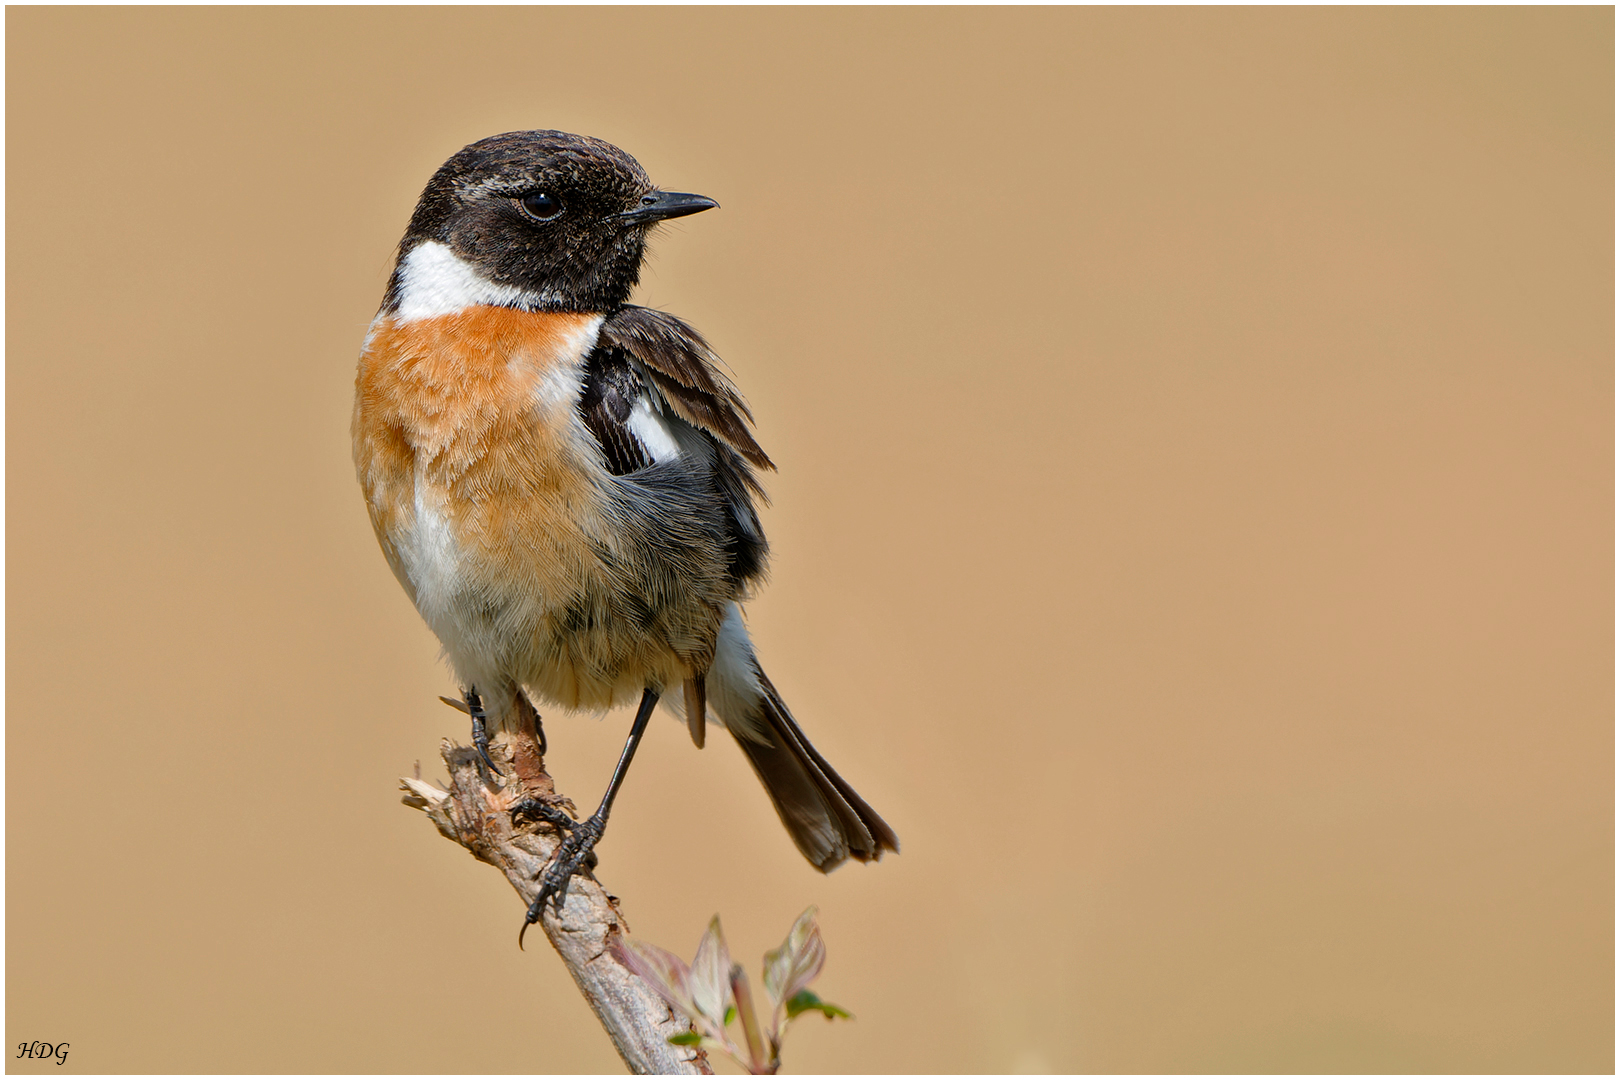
<point>685,373</point>
<point>651,375</point>
<point>612,397</point>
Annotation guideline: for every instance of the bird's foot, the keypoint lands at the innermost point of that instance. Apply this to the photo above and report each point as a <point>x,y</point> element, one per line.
<point>576,851</point>
<point>541,810</point>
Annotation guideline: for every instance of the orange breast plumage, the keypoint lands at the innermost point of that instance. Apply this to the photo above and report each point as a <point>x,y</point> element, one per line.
<point>467,418</point>
<point>485,490</point>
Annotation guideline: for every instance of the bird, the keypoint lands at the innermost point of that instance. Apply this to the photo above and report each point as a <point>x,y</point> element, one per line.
<point>566,484</point>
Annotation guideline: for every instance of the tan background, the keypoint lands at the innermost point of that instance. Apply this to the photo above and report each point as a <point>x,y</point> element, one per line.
<point>1193,532</point>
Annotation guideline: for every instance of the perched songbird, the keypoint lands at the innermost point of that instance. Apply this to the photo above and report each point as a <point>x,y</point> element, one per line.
<point>564,483</point>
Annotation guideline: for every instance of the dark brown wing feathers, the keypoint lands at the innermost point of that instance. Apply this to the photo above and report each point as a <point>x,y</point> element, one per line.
<point>685,371</point>
<point>609,394</point>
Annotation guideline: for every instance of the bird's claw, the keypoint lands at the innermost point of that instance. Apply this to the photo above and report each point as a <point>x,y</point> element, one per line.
<point>576,850</point>
<point>539,810</point>
<point>474,708</point>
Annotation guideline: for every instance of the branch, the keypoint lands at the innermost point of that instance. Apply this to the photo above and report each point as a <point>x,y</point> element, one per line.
<point>477,817</point>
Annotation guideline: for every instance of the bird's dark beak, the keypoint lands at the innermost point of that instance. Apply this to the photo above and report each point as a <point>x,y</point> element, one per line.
<point>663,205</point>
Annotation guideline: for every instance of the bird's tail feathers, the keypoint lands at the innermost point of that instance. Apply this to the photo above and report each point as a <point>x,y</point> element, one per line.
<point>826,818</point>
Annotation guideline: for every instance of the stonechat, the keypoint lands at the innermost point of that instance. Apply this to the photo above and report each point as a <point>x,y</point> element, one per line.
<point>565,483</point>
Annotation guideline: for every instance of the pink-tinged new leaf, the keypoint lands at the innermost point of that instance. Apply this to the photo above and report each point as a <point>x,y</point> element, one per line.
<point>711,976</point>
<point>662,970</point>
<point>792,967</point>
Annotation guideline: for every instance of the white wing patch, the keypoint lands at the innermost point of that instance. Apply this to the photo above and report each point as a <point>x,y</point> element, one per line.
<point>433,281</point>
<point>652,431</point>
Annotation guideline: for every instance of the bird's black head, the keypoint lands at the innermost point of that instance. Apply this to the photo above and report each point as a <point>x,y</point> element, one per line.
<point>537,219</point>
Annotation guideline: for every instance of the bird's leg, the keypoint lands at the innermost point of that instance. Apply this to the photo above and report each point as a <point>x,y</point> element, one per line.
<point>582,835</point>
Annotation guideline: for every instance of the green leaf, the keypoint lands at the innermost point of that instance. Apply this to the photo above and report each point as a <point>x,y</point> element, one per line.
<point>806,1001</point>
<point>686,1038</point>
<point>731,1014</point>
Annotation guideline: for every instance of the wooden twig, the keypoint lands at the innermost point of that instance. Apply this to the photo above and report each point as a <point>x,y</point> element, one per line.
<point>477,816</point>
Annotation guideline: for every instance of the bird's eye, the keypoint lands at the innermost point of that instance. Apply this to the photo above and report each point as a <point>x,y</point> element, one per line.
<point>541,205</point>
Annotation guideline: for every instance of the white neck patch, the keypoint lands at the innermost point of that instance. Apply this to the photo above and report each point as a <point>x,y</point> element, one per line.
<point>433,280</point>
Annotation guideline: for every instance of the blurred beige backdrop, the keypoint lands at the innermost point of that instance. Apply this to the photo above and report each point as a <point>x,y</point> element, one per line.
<point>1193,532</point>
